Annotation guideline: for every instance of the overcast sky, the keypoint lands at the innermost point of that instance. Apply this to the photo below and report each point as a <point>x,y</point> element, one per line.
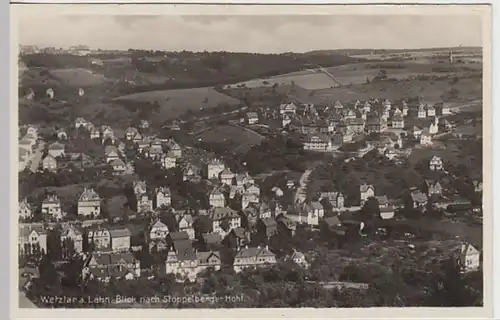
<point>266,34</point>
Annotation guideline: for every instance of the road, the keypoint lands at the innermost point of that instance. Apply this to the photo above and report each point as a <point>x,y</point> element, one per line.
<point>36,157</point>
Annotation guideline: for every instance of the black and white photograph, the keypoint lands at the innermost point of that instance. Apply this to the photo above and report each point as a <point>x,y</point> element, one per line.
<point>218,159</point>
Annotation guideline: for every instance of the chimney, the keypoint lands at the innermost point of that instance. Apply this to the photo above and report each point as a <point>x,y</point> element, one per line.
<point>267,247</point>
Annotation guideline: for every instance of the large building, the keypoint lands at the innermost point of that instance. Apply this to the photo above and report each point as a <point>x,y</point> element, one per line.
<point>89,203</point>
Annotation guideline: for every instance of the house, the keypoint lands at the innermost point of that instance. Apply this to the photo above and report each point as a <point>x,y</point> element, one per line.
<point>130,133</point>
<point>387,213</point>
<point>32,239</point>
<point>253,258</point>
<point>99,238</point>
<point>442,109</point>
<point>191,173</point>
<point>398,122</point>
<point>158,230</point>
<point>49,93</point>
<point>236,190</point>
<point>174,148</point>
<point>217,199</point>
<point>436,163</point>
<point>445,124</point>
<point>118,166</point>
<point>252,189</point>
<point>277,191</point>
<point>354,125</point>
<point>404,109</point>
<point>185,224</point>
<point>478,186</point>
<point>267,227</point>
<point>224,219</point>
<point>89,203</point>
<point>375,125</point>
<point>341,138</point>
<point>144,203</point>
<point>434,126</point>
<point>431,112</point>
<point>49,163</point>
<point>210,259</point>
<point>299,258</point>
<point>433,188</point>
<point>382,201</point>
<point>419,199</point>
<point>156,149</point>
<point>285,121</point>
<point>214,168</point>
<point>120,239</point>
<point>24,209</point>
<point>315,212</point>
<point>107,133</point>
<point>248,198</point>
<point>104,266</point>
<point>226,177</point>
<point>111,153</point>
<point>61,134</point>
<point>163,197</point>
<point>94,133</point>
<point>317,143</point>
<point>56,149</point>
<point>211,240</point>
<point>139,187</point>
<point>416,132</point>
<point>336,199</point>
<point>337,104</point>
<point>366,191</point>
<point>72,234</point>
<point>470,258</point>
<point>252,117</point>
<point>422,113</point>
<point>169,160</point>
<point>80,122</point>
<point>426,138</point>
<point>182,262</point>
<point>288,108</point>
<point>51,206</point>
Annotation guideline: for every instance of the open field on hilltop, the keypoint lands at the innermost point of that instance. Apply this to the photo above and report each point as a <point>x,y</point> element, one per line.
<point>310,80</point>
<point>241,140</point>
<point>78,77</point>
<point>175,103</point>
<point>431,90</point>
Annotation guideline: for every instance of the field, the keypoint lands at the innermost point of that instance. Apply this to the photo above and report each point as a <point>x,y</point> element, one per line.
<point>175,103</point>
<point>78,77</point>
<point>239,138</point>
<point>358,73</point>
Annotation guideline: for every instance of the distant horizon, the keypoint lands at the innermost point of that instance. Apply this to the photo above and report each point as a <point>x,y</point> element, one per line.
<point>252,33</point>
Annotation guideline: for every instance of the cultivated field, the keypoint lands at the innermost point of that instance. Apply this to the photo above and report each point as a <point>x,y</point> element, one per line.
<point>310,80</point>
<point>175,103</point>
<point>78,77</point>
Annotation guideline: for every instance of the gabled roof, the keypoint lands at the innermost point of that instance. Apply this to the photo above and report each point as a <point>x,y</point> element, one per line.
<point>212,238</point>
<point>56,146</point>
<point>204,256</point>
<point>118,233</point>
<point>116,162</point>
<point>176,236</point>
<point>269,222</point>
<point>253,252</point>
<point>88,195</point>
<point>418,196</point>
<point>164,190</point>
<point>365,187</point>
<point>223,213</point>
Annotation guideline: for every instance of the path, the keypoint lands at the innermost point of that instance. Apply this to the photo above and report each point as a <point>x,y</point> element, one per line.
<point>301,190</point>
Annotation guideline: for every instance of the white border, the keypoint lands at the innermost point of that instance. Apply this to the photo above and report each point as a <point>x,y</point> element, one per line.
<point>303,312</point>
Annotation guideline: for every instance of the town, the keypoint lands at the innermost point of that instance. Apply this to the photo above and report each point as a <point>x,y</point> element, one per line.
<point>286,186</point>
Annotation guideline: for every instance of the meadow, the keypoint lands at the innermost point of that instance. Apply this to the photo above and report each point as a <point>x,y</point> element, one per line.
<point>78,77</point>
<point>175,103</point>
<point>238,138</point>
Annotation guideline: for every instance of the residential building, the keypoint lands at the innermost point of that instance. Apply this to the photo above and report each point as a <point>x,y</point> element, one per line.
<point>156,149</point>
<point>111,265</point>
<point>139,187</point>
<point>99,238</point>
<point>317,143</point>
<point>442,109</point>
<point>224,219</point>
<point>32,240</point>
<point>107,133</point>
<point>120,239</point>
<point>61,134</point>
<point>387,213</point>
<point>49,93</point>
<point>253,258</point>
<point>89,203</point>
<point>252,117</point>
<point>49,163</point>
<point>226,177</point>
<point>186,264</point>
<point>382,201</point>
<point>422,113</point>
<point>416,132</point>
<point>73,234</point>
<point>375,125</point>
<point>119,167</point>
<point>111,153</point>
<point>169,160</point>
<point>25,211</point>
<point>404,109</point>
<point>354,125</point>
<point>130,133</point>
<point>432,187</point>
<point>174,148</point>
<point>315,212</point>
<point>267,227</point>
<point>288,108</point>
<point>436,163</point>
<point>341,138</point>
<point>94,133</point>
<point>51,207</point>
<point>217,199</point>
<point>478,186</point>
<point>336,199</point>
<point>144,203</point>
<point>419,199</point>
<point>56,149</point>
<point>398,122</point>
<point>163,197</point>
<point>431,112</point>
<point>470,258</point>
<point>248,198</point>
<point>299,258</point>
<point>426,138</point>
<point>80,122</point>
<point>366,191</point>
<point>185,224</point>
<point>158,230</point>
<point>214,168</point>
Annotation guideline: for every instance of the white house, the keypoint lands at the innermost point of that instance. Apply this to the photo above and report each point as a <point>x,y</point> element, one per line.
<point>470,258</point>
<point>169,160</point>
<point>252,117</point>
<point>25,211</point>
<point>214,168</point>
<point>163,197</point>
<point>426,138</point>
<point>436,163</point>
<point>158,230</point>
<point>51,206</point>
<point>217,199</point>
<point>89,203</point>
<point>226,177</point>
<point>366,191</point>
